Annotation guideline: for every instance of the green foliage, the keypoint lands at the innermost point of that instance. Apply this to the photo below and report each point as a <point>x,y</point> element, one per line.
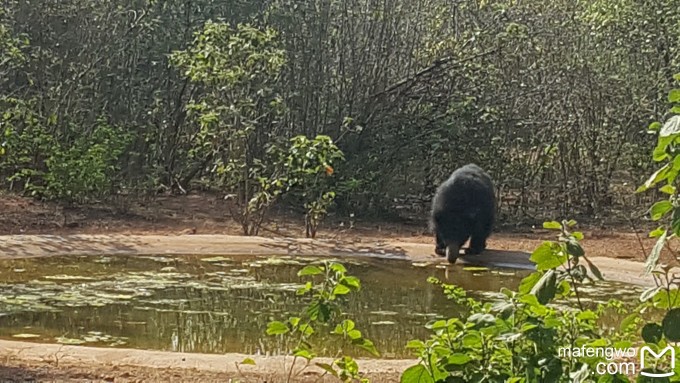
<point>663,296</point>
<point>308,165</point>
<point>667,211</point>
<point>517,338</point>
<point>316,211</point>
<point>324,304</point>
<point>84,168</point>
<point>237,69</point>
<point>88,167</point>
<point>408,104</point>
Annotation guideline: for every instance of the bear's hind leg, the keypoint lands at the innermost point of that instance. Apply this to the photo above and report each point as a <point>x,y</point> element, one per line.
<point>440,246</point>
<point>477,245</point>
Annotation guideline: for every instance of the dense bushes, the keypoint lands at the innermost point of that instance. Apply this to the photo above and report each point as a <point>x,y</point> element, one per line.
<point>550,97</point>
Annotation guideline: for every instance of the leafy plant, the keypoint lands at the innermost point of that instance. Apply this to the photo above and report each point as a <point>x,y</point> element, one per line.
<point>88,168</point>
<point>239,107</point>
<point>83,169</point>
<point>518,338</point>
<point>667,152</point>
<point>316,211</point>
<point>665,294</point>
<point>322,310</point>
<point>308,165</point>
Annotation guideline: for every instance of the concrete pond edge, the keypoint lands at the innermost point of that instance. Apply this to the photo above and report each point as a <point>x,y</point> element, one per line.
<point>28,246</point>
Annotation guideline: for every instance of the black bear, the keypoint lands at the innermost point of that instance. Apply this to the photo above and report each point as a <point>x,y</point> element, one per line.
<point>463,207</point>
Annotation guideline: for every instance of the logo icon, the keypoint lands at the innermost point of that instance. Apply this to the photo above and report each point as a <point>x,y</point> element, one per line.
<point>656,356</point>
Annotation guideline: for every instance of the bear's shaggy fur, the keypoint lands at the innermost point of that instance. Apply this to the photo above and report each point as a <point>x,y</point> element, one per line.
<point>463,207</point>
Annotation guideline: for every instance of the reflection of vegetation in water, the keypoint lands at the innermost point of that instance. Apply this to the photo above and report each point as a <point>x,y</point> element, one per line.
<point>217,304</point>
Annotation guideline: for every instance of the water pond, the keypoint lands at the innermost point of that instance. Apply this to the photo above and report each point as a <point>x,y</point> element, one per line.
<point>220,304</point>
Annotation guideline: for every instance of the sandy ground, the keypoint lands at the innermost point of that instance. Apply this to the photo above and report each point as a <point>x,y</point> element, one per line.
<point>198,225</point>
<point>50,362</point>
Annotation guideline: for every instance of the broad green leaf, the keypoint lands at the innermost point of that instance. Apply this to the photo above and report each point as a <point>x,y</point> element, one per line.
<point>277,328</point>
<point>338,268</point>
<point>248,361</point>
<point>310,270</point>
<point>552,225</point>
<point>546,287</point>
<point>548,256</point>
<point>367,345</point>
<point>671,325</point>
<point>341,290</point>
<point>652,332</point>
<point>628,321</point>
<point>319,311</point>
<point>674,95</point>
<point>304,290</point>
<point>416,374</point>
<point>588,315</point>
<point>660,151</point>
<point>660,209</point>
<point>675,168</point>
<point>354,334</point>
<point>529,282</point>
<point>306,330</point>
<point>666,299</point>
<point>668,189</point>
<point>574,248</point>
<point>472,339</point>
<point>345,326</point>
<point>294,321</point>
<point>440,324</point>
<point>415,344</point>
<point>458,359</point>
<point>655,178</point>
<point>656,233</point>
<point>351,282</point>
<point>564,288</point>
<point>303,353</point>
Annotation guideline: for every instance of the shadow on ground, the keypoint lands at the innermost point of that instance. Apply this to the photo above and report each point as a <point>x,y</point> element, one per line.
<point>303,246</point>
<point>25,246</point>
<point>12,374</point>
<point>499,258</point>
